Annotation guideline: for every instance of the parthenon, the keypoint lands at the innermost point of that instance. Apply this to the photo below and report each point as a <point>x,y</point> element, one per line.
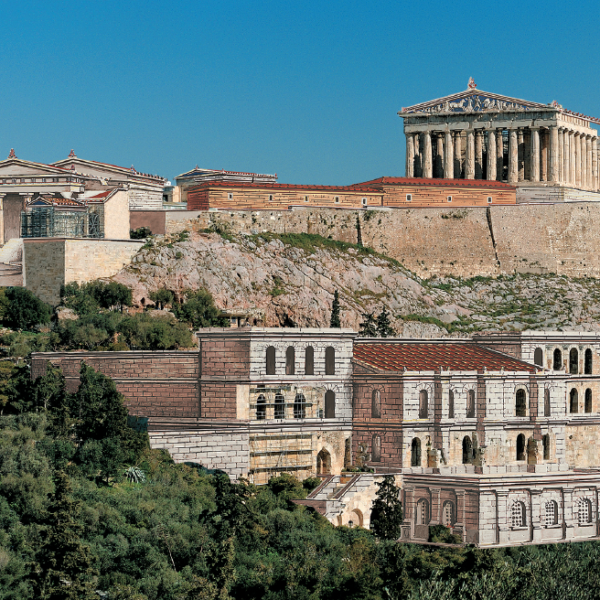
<point>480,135</point>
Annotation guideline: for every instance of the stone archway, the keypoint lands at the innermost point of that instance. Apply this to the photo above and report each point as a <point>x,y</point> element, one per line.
<point>355,518</point>
<point>323,463</point>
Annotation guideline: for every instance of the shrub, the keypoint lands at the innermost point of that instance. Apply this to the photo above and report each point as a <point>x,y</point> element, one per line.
<point>140,233</point>
<point>24,310</point>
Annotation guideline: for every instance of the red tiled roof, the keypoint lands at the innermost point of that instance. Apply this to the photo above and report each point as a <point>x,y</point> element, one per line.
<point>431,356</point>
<point>477,183</point>
<point>101,194</point>
<point>279,186</point>
<point>60,201</point>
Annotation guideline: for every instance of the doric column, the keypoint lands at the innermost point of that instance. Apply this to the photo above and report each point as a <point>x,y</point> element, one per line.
<point>543,155</point>
<point>410,155</point>
<point>583,162</point>
<point>457,154</point>
<point>521,154</point>
<point>553,154</point>
<point>561,155</point>
<point>439,156</point>
<point>478,154</point>
<point>596,183</point>
<point>491,156</point>
<point>2,240</point>
<point>418,155</point>
<point>427,159</point>
<point>590,175</point>
<point>499,154</point>
<point>567,157</point>
<point>573,158</point>
<point>535,154</point>
<point>449,157</point>
<point>470,162</point>
<point>513,156</point>
<point>527,154</point>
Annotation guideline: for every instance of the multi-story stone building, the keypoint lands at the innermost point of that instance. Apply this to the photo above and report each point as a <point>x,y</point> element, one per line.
<point>480,135</point>
<point>495,437</point>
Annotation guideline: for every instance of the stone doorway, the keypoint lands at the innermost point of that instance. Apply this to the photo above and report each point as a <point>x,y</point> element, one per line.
<point>323,463</point>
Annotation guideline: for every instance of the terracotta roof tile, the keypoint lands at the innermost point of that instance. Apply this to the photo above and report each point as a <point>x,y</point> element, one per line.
<point>430,357</point>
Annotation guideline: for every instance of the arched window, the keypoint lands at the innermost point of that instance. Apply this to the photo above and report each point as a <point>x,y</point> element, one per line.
<point>587,367</point>
<point>520,447</point>
<point>415,453</point>
<point>376,448</point>
<point>279,407</point>
<point>423,404</point>
<point>588,400</point>
<point>521,403</point>
<point>329,404</point>
<point>584,511</point>
<point>451,404</point>
<point>330,360</point>
<point>290,361</point>
<point>376,404</point>
<point>573,401</point>
<point>557,360</point>
<point>422,512</point>
<point>547,410</point>
<point>261,408</point>
<point>550,513</point>
<point>299,406</point>
<point>467,448</point>
<point>309,361</point>
<point>270,360</point>
<point>518,515</point>
<point>538,357</point>
<point>448,514</point>
<point>546,446</point>
<point>323,463</point>
<point>573,362</point>
<point>471,404</point>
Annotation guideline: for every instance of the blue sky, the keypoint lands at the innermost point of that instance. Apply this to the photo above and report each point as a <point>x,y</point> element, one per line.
<point>307,90</point>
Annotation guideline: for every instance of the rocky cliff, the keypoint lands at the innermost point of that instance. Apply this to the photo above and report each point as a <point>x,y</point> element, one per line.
<point>289,280</point>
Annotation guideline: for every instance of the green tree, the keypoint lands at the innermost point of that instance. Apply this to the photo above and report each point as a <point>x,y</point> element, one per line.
<point>161,298</point>
<point>199,310</point>
<point>25,310</point>
<point>368,328</point>
<point>335,311</point>
<point>64,564</point>
<point>140,233</point>
<point>386,514</point>
<point>384,327</point>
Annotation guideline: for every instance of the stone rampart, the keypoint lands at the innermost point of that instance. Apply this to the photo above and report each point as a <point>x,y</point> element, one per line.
<point>487,241</point>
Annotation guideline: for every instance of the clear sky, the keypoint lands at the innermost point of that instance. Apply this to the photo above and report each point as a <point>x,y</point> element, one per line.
<point>307,90</point>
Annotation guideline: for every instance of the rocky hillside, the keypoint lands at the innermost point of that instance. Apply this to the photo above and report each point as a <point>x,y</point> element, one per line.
<point>289,280</point>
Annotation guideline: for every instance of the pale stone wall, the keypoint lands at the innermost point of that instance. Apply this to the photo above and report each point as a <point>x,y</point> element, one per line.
<point>225,450</point>
<point>527,238</point>
<point>116,217</point>
<point>50,262</point>
<point>145,197</point>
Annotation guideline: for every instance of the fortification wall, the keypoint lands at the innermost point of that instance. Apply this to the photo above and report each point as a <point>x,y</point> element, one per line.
<point>488,241</point>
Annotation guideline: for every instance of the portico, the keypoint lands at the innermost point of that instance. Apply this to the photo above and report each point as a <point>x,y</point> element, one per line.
<point>480,135</point>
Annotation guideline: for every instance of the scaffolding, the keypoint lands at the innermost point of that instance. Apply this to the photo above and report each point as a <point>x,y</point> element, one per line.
<point>45,221</point>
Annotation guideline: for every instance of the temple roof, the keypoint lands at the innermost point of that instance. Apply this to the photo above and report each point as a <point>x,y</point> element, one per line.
<point>419,356</point>
<point>473,100</point>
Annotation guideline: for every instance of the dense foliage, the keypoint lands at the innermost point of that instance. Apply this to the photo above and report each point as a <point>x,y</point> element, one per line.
<point>335,311</point>
<point>21,309</point>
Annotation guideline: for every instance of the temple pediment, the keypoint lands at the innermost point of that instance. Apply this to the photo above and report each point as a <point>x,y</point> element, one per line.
<point>17,166</point>
<point>473,100</point>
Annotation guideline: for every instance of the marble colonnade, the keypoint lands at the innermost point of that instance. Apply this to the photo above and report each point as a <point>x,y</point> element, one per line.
<point>550,154</point>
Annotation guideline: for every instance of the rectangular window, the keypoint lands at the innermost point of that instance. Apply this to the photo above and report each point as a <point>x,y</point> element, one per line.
<point>337,199</point>
<point>364,201</point>
<point>449,198</point>
<point>305,198</point>
<point>270,197</point>
<point>409,197</point>
<point>489,199</point>
<point>230,196</point>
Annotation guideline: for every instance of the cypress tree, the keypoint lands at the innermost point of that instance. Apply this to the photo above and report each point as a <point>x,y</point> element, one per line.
<point>335,311</point>
<point>386,515</point>
<point>384,327</point>
<point>64,569</point>
<point>368,328</point>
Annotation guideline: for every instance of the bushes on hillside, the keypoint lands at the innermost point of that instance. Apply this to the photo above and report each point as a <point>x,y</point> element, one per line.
<point>21,309</point>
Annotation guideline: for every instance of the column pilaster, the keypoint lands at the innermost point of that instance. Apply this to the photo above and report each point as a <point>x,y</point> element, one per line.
<point>499,154</point>
<point>427,158</point>
<point>470,162</point>
<point>478,154</point>
<point>553,175</point>
<point>491,156</point>
<point>513,156</point>
<point>535,154</point>
<point>457,155</point>
<point>449,157</point>
<point>410,155</point>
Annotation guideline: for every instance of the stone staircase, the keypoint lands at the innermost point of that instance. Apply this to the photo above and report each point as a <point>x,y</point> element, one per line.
<point>12,251</point>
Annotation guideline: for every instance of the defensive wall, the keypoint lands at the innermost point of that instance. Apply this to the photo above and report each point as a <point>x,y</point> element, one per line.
<point>487,241</point>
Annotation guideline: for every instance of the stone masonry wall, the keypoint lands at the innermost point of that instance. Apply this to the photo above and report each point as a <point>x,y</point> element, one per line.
<point>487,241</point>
<point>228,451</point>
<point>155,384</point>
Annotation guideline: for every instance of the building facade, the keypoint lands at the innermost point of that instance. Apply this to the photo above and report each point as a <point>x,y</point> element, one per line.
<point>480,135</point>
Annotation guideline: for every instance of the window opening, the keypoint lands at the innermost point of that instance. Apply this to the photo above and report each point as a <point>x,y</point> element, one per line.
<point>409,197</point>
<point>423,404</point>
<point>538,357</point>
<point>521,404</point>
<point>557,360</point>
<point>422,513</point>
<point>573,361</point>
<point>448,514</point>
<point>573,401</point>
<point>588,362</point>
<point>329,404</point>
<point>376,404</point>
<point>546,446</point>
<point>547,409</point>
<point>329,360</point>
<point>520,447</point>
<point>290,361</point>
<point>588,400</point>
<point>471,404</point>
<point>518,515</point>
<point>309,361</point>
<point>279,407</point>
<point>451,404</point>
<point>584,511</point>
<point>270,360</point>
<point>364,201</point>
<point>415,453</point>
<point>467,448</point>
<point>261,408</point>
<point>489,199</point>
<point>299,406</point>
<point>551,513</point>
<point>376,448</point>
<point>449,198</point>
